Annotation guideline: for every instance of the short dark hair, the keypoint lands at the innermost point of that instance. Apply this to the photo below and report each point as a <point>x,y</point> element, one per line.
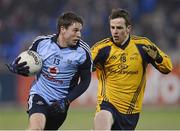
<point>67,19</point>
<point>121,13</point>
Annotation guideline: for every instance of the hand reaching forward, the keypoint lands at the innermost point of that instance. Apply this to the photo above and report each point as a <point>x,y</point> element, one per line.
<point>59,106</point>
<point>153,53</point>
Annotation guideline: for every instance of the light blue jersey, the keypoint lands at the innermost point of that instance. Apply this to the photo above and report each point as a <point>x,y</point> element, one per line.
<point>59,73</point>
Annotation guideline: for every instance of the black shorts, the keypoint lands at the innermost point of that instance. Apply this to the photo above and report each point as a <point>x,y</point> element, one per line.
<point>36,104</point>
<point>121,121</point>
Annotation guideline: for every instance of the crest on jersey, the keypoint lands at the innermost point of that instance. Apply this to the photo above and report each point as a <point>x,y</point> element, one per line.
<point>123,57</point>
<point>53,70</point>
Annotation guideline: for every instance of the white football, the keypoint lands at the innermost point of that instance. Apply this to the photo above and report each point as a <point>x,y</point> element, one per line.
<point>33,60</point>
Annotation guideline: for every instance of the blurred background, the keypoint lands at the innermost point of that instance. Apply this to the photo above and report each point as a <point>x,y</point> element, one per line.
<point>22,20</point>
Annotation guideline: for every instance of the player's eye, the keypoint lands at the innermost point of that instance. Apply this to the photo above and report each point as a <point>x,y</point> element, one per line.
<point>112,27</point>
<point>75,30</point>
<point>119,27</point>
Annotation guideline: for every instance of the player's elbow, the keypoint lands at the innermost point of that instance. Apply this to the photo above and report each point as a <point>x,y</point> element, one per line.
<point>87,81</point>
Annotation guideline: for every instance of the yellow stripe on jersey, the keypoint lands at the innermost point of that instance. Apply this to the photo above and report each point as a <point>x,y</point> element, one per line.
<point>103,93</point>
<point>133,101</point>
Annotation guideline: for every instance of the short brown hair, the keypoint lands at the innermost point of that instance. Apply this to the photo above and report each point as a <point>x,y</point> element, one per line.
<point>67,19</point>
<point>120,13</point>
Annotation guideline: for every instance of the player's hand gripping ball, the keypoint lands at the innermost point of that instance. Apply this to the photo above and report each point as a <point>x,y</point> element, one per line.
<point>28,63</point>
<point>33,61</point>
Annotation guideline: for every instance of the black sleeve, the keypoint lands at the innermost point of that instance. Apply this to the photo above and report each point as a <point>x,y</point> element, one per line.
<point>84,71</point>
<point>102,56</point>
<point>85,78</point>
<point>87,63</point>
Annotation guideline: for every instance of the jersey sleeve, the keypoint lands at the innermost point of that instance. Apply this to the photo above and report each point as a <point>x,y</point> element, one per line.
<point>40,46</point>
<point>166,65</point>
<point>100,52</point>
<point>87,64</point>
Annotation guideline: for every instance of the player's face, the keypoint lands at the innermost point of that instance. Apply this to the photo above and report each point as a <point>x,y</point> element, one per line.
<point>119,30</point>
<point>72,34</point>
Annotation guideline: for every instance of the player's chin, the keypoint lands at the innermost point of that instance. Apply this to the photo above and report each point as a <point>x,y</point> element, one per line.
<point>74,42</point>
<point>116,40</point>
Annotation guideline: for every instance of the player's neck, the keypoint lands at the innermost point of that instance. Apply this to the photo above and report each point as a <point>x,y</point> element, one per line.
<point>61,41</point>
<point>122,43</point>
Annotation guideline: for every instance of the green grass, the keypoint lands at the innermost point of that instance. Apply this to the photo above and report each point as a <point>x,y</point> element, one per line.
<point>13,118</point>
<point>79,119</point>
<point>160,118</point>
<point>82,118</point>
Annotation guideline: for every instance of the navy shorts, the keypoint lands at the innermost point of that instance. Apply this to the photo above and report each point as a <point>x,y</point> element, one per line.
<point>121,121</point>
<point>36,104</point>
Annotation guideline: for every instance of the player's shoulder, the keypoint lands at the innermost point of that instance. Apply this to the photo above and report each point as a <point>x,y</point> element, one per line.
<point>42,41</point>
<point>140,40</point>
<point>102,43</point>
<point>43,37</point>
<point>84,49</point>
<point>83,45</point>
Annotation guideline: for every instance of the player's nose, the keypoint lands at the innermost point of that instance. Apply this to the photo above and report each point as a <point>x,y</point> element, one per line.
<point>78,34</point>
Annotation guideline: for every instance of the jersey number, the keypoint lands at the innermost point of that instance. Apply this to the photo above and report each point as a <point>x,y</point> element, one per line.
<point>56,61</point>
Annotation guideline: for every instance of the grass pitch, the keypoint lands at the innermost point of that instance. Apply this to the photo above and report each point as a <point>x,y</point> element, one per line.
<point>161,118</point>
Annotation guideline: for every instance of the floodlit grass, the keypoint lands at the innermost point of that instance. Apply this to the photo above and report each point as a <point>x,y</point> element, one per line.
<point>82,118</point>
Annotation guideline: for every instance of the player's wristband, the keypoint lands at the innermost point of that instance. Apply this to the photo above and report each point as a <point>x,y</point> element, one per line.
<point>158,58</point>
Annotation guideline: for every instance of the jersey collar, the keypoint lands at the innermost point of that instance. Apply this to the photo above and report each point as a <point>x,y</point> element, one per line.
<point>124,44</point>
<point>54,39</point>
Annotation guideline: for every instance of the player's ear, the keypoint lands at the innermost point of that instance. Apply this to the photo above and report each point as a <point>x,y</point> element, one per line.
<point>129,28</point>
<point>62,29</point>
